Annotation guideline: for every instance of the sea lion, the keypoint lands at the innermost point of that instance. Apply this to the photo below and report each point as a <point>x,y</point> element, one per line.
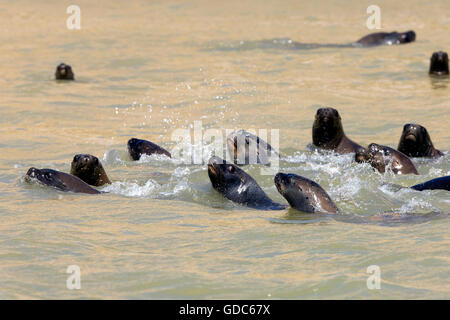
<point>442,183</point>
<point>246,148</point>
<point>386,38</point>
<point>89,169</point>
<point>439,64</point>
<point>370,40</point>
<point>384,158</point>
<point>64,72</point>
<point>328,133</point>
<point>138,147</point>
<point>59,180</point>
<point>416,142</point>
<point>304,194</point>
<point>238,186</point>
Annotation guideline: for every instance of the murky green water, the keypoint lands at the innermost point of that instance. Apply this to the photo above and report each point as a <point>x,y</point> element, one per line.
<point>148,68</point>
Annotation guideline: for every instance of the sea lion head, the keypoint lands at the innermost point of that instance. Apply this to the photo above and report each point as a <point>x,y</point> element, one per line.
<point>238,186</point>
<point>406,37</point>
<point>381,157</point>
<point>439,63</point>
<point>47,177</point>
<point>327,128</point>
<point>34,173</point>
<point>375,155</point>
<point>415,141</point>
<point>226,177</point>
<point>89,169</point>
<point>64,72</point>
<point>247,148</point>
<point>138,147</point>
<point>135,148</point>
<point>303,194</point>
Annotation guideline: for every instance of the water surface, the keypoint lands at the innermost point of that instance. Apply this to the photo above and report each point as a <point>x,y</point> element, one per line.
<point>147,68</point>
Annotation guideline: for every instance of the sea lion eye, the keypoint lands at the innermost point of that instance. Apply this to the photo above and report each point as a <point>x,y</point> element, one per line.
<point>300,189</point>
<point>231,169</point>
<point>95,160</point>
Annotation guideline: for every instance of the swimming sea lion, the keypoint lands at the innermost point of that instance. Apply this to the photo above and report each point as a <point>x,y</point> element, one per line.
<point>328,133</point>
<point>246,148</point>
<point>384,158</point>
<point>370,40</point>
<point>60,180</point>
<point>416,142</point>
<point>386,38</point>
<point>304,194</point>
<point>442,183</point>
<point>138,147</point>
<point>89,169</point>
<point>439,64</point>
<point>64,72</point>
<point>238,186</point>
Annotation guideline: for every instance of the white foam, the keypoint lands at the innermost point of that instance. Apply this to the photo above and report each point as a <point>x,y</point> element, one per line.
<point>132,189</point>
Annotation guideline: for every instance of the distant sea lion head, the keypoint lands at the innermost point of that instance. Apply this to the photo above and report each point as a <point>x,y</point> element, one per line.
<point>303,194</point>
<point>64,72</point>
<point>89,169</point>
<point>439,63</point>
<point>408,36</point>
<point>327,128</point>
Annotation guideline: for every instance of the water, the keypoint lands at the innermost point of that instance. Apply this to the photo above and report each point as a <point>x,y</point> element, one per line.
<point>148,68</point>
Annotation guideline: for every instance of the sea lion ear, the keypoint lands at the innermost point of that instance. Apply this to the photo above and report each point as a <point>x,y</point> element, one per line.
<point>231,169</point>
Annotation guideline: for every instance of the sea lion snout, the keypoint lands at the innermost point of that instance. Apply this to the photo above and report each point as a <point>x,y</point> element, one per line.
<point>281,182</point>
<point>213,165</point>
<point>411,132</point>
